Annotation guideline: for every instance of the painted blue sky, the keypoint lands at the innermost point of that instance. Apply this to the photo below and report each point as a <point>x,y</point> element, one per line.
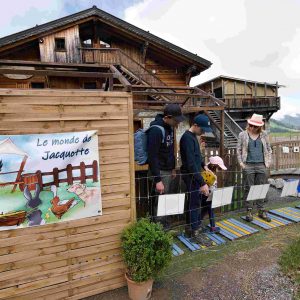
<point>250,39</point>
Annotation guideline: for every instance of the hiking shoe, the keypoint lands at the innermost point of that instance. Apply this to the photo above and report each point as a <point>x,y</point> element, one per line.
<point>249,216</point>
<point>202,240</point>
<point>263,215</point>
<point>215,229</point>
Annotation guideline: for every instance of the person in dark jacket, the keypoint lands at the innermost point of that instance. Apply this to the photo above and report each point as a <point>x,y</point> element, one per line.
<point>192,165</point>
<point>161,156</point>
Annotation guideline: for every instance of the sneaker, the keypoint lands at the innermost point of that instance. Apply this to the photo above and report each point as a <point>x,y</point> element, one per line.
<point>263,215</point>
<point>249,216</point>
<point>215,229</point>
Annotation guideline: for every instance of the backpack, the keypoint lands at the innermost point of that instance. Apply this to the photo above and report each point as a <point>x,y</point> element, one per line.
<point>140,144</point>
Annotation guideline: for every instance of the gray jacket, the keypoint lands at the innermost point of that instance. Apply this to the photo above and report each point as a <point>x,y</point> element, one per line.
<point>242,148</point>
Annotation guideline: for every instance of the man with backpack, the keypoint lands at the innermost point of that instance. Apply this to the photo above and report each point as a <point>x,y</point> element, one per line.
<point>160,148</point>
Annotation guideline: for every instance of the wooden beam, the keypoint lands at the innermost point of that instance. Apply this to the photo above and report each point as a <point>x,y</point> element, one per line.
<point>170,94</point>
<point>51,64</point>
<point>222,134</point>
<point>144,51</point>
<point>121,78</point>
<point>57,73</point>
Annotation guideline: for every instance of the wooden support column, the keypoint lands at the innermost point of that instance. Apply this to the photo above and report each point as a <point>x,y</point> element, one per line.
<point>245,89</point>
<point>144,51</point>
<point>222,150</point>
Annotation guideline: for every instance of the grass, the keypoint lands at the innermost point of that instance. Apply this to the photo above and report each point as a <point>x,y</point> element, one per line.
<point>290,263</point>
<point>210,256</point>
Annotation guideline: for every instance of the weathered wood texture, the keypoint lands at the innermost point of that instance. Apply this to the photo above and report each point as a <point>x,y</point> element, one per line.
<point>74,259</point>
<point>72,42</point>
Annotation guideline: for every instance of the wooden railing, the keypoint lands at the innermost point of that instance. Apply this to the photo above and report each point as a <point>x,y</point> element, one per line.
<point>255,102</point>
<point>115,56</point>
<point>286,155</point>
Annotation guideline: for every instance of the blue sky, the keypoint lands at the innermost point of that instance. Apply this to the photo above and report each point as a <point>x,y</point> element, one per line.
<point>250,39</point>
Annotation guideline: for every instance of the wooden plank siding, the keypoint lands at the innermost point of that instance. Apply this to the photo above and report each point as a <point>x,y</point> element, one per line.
<point>73,259</point>
<point>72,42</point>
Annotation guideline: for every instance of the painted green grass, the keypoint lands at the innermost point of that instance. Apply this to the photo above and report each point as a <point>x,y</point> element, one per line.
<point>15,201</point>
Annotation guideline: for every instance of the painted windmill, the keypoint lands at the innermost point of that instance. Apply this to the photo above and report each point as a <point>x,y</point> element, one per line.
<point>8,147</point>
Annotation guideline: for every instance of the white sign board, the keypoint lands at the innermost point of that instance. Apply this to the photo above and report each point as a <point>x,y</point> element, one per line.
<point>170,204</point>
<point>290,188</point>
<point>222,197</point>
<point>258,192</point>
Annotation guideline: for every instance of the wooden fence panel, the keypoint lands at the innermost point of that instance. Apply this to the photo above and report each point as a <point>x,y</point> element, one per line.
<point>73,259</point>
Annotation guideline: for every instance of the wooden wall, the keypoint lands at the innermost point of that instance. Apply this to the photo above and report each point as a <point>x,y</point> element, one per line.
<point>74,259</point>
<point>241,90</point>
<point>71,55</point>
<point>170,75</point>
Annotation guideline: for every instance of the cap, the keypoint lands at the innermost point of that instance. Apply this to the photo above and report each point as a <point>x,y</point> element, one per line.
<point>203,122</point>
<point>217,160</point>
<point>174,111</point>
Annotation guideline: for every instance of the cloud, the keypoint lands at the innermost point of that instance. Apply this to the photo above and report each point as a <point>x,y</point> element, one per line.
<point>251,39</point>
<point>18,15</point>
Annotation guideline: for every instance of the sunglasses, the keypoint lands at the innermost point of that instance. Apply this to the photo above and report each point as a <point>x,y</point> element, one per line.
<point>253,126</point>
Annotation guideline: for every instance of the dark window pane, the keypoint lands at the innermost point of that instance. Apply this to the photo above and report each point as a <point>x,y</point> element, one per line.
<point>60,44</point>
<point>37,85</point>
<point>90,85</point>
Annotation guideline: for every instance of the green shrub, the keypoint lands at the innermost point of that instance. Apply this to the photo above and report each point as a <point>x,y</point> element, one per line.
<point>147,250</point>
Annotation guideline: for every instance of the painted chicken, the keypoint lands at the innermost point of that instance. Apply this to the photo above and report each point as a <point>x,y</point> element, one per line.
<point>60,207</point>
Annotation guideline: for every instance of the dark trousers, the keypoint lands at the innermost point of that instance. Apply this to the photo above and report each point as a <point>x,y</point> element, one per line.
<point>166,178</point>
<point>194,202</point>
<point>206,208</point>
<point>254,174</point>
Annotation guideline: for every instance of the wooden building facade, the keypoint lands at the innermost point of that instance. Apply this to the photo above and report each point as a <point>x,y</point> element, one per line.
<point>244,97</point>
<point>88,71</point>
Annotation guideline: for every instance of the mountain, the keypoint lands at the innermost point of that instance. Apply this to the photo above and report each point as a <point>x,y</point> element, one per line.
<point>284,126</point>
<point>292,122</point>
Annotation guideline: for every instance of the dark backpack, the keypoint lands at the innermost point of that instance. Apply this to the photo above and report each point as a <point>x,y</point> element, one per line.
<point>140,144</point>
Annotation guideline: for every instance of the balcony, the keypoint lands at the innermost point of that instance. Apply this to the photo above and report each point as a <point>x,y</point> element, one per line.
<point>255,103</point>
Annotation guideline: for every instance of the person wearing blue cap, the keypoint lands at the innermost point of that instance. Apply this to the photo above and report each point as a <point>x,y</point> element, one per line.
<point>192,165</point>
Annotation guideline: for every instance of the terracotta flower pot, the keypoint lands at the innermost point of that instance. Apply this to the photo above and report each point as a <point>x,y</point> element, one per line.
<point>139,290</point>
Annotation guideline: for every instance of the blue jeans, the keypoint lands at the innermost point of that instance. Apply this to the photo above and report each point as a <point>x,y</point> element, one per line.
<point>206,208</point>
<point>194,202</point>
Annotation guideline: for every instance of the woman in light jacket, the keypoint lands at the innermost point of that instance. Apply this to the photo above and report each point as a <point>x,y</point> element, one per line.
<point>254,156</point>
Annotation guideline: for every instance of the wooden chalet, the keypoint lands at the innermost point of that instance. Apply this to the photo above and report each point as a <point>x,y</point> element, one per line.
<point>88,71</point>
<point>243,98</point>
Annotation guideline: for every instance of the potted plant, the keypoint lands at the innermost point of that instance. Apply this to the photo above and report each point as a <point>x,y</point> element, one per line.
<point>147,251</point>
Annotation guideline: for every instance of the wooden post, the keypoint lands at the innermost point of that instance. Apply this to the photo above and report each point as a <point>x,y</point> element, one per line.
<point>277,157</point>
<point>69,174</point>
<point>95,171</point>
<point>82,172</point>
<point>255,90</point>
<point>223,89</point>
<point>111,83</point>
<point>234,93</point>
<point>39,178</point>
<point>131,159</point>
<point>245,89</point>
<point>55,177</point>
<point>222,135</point>
<point>18,178</point>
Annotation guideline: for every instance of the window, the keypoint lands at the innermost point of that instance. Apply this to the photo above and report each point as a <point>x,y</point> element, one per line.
<point>60,44</point>
<point>90,85</point>
<point>37,85</point>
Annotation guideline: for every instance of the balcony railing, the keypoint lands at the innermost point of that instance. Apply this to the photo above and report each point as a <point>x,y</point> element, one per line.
<point>252,103</point>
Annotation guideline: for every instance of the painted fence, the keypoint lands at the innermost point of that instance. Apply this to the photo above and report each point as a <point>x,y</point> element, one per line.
<point>74,259</point>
